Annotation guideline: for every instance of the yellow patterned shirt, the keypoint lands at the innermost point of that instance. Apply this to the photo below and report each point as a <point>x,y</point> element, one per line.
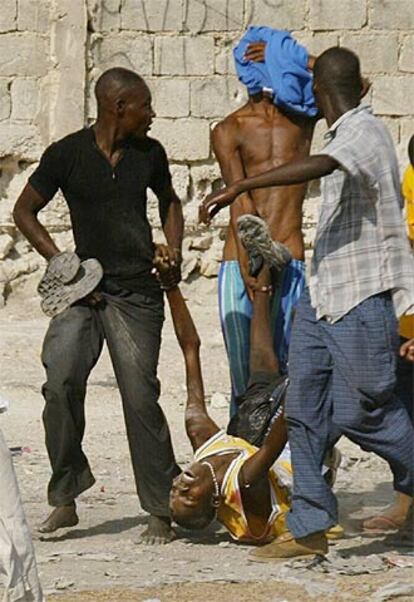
<point>407,322</point>
<point>408,193</point>
<point>231,512</point>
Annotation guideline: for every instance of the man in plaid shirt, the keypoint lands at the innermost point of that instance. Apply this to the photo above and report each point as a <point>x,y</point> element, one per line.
<point>344,342</point>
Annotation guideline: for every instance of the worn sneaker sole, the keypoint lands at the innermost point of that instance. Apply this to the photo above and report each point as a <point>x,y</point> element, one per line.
<point>63,296</point>
<point>255,237</point>
<point>63,267</point>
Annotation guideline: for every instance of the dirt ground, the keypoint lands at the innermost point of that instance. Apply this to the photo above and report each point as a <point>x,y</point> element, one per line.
<point>100,559</point>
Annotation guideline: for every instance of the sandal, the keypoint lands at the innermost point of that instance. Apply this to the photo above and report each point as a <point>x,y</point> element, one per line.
<point>381,524</point>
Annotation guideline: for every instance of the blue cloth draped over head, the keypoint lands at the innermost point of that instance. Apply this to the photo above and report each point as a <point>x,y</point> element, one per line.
<point>284,71</point>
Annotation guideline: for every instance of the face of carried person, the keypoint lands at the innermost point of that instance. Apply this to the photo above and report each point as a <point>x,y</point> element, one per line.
<point>135,111</point>
<point>190,497</point>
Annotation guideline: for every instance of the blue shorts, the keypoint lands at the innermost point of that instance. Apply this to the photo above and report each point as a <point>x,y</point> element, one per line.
<point>236,312</point>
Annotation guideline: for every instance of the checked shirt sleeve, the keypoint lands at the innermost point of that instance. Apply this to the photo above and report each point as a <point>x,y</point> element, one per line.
<point>354,150</point>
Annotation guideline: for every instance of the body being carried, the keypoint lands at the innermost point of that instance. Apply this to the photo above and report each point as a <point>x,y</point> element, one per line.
<point>229,476</point>
<point>247,488</point>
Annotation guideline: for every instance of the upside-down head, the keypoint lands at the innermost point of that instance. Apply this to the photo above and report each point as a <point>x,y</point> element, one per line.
<point>193,503</point>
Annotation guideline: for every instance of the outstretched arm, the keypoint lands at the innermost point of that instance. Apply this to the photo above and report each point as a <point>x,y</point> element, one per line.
<point>199,426</point>
<point>25,214</point>
<point>295,172</point>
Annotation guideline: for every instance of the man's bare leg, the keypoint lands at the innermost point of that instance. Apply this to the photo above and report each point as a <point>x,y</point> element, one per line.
<point>262,355</point>
<point>60,518</point>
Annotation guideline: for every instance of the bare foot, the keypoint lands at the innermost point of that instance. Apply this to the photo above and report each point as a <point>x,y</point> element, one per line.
<point>404,537</point>
<point>60,517</point>
<point>392,518</point>
<point>159,531</point>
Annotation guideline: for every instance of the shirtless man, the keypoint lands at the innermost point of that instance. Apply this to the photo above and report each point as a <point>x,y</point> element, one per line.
<point>255,138</point>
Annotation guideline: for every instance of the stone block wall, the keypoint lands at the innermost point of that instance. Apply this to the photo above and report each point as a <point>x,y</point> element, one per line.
<point>52,51</point>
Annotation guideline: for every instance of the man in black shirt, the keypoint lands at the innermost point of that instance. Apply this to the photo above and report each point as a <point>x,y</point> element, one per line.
<point>104,172</point>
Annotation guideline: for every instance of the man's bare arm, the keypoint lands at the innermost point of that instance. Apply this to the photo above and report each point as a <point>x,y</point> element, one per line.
<point>258,465</point>
<point>173,220</point>
<point>226,149</point>
<point>256,53</point>
<point>199,426</point>
<point>295,172</point>
<point>25,214</point>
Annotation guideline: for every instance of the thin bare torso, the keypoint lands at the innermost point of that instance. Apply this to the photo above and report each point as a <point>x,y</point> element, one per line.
<point>255,138</point>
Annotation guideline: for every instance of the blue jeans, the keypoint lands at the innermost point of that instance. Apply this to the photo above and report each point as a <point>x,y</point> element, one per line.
<point>342,382</point>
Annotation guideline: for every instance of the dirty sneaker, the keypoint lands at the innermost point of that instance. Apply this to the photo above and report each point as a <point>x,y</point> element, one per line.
<point>255,237</point>
<point>62,267</point>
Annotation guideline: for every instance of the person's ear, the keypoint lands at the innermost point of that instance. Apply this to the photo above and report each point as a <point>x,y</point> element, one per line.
<point>120,107</point>
<point>365,86</point>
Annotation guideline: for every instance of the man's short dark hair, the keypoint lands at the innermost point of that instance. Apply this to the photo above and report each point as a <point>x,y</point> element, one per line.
<point>338,70</point>
<point>197,521</point>
<point>116,79</point>
<point>411,150</point>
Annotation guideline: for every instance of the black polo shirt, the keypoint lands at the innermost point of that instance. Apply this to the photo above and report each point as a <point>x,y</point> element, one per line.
<point>108,206</point>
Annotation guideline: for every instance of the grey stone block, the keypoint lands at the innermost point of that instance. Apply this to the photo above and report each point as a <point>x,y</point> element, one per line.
<point>393,95</point>
<point>391,14</point>
<point>124,49</point>
<point>25,54</point>
<point>378,53</point>
<point>8,15</point>
<point>170,96</point>
<point>406,62</point>
<point>184,139</point>
<point>184,55</point>
<point>21,140</point>
<point>216,96</point>
<point>282,14</point>
<point>104,15</point>
<point>316,43</point>
<point>329,14</point>
<point>213,15</point>
<point>5,102</point>
<point>152,15</point>
<point>33,15</point>
<point>25,99</point>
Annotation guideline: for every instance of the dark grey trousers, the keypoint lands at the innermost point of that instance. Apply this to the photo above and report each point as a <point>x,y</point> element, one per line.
<point>130,323</point>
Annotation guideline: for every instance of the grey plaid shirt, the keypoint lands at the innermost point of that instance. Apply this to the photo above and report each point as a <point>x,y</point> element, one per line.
<point>361,246</point>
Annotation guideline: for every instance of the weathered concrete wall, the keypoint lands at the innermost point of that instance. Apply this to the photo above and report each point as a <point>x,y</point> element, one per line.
<point>52,51</point>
